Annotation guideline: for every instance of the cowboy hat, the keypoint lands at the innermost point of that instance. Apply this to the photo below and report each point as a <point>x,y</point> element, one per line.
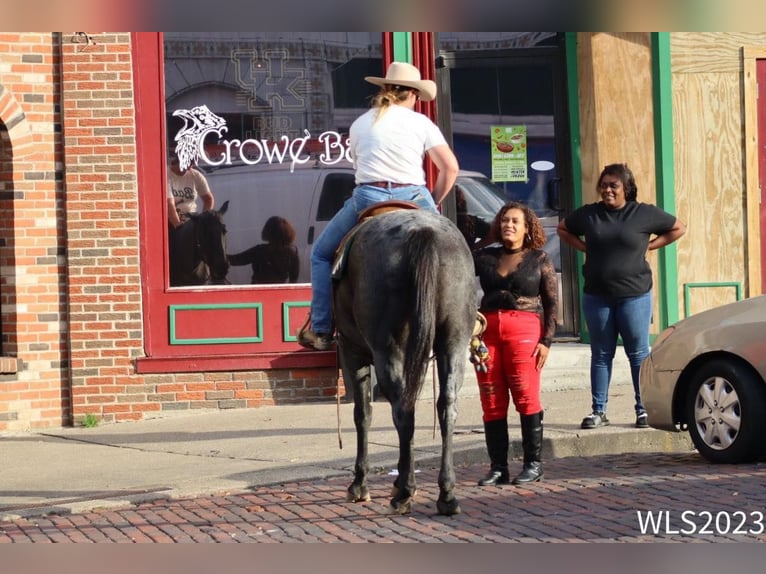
<point>407,75</point>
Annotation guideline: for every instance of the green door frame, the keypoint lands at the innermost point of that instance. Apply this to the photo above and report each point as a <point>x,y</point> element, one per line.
<point>402,46</point>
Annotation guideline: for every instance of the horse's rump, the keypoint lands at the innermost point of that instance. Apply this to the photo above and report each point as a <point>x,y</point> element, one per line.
<point>409,278</point>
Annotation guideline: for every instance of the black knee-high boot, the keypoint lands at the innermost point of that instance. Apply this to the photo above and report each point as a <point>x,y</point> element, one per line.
<point>532,444</point>
<point>496,435</point>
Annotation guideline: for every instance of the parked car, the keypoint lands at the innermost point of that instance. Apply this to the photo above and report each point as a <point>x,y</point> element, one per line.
<point>706,375</point>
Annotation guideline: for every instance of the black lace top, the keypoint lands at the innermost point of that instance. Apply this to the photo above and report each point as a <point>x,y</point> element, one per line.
<point>524,280</point>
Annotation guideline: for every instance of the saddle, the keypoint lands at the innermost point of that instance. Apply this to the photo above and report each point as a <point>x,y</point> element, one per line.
<point>339,264</point>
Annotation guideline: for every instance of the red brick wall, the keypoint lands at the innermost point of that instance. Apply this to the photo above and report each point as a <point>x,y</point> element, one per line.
<point>32,228</point>
<point>70,249</point>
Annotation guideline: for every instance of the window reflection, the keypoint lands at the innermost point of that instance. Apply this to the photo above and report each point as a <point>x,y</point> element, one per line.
<point>264,118</point>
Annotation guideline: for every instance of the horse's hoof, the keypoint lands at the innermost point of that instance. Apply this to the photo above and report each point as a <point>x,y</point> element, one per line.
<point>401,507</point>
<point>396,491</point>
<point>448,508</point>
<point>357,494</point>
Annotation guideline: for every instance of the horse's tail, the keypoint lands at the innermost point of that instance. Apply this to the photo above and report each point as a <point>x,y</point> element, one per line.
<point>423,260</point>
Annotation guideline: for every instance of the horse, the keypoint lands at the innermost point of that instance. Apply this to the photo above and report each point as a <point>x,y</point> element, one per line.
<point>407,289</point>
<point>198,249</point>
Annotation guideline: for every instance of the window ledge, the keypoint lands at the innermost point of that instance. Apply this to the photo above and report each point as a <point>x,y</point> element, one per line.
<point>260,362</point>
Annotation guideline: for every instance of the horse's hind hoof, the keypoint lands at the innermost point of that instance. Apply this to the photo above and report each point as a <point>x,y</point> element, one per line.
<point>401,507</point>
<point>396,491</point>
<point>357,494</point>
<point>448,508</point>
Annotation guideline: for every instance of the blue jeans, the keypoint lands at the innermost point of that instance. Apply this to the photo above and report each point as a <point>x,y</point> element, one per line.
<point>328,241</point>
<point>607,318</point>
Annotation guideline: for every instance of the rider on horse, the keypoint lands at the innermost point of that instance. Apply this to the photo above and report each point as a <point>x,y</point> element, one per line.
<point>387,145</point>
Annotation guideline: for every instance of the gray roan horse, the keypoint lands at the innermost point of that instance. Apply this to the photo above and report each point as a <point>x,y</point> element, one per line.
<point>408,289</point>
<point>198,249</point>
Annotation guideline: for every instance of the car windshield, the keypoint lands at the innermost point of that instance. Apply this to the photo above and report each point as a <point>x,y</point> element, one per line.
<point>483,198</point>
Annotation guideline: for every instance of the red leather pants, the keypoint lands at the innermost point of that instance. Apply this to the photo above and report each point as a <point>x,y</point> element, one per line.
<point>511,337</point>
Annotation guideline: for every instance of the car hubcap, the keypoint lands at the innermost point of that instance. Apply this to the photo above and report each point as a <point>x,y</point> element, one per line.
<point>717,413</point>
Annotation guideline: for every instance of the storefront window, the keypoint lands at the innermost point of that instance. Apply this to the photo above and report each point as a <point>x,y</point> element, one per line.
<point>261,120</point>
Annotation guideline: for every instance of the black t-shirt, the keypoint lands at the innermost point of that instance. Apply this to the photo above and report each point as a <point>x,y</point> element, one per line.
<point>272,263</point>
<point>616,242</point>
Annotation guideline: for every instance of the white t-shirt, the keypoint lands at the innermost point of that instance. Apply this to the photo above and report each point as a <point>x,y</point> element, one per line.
<point>392,149</point>
<point>185,188</point>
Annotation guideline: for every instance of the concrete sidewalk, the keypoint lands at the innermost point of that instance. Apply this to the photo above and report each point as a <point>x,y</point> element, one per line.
<point>196,453</point>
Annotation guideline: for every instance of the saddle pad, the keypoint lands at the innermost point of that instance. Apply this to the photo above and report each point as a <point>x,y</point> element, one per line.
<point>339,265</point>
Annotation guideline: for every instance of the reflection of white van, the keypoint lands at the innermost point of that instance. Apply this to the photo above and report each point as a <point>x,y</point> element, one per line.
<point>309,196</point>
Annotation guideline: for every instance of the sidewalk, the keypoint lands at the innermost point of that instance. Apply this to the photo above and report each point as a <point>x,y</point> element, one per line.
<point>197,453</point>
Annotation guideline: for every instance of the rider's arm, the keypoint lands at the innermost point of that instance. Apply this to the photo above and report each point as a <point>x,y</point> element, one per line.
<point>173,217</point>
<point>203,190</point>
<point>446,163</point>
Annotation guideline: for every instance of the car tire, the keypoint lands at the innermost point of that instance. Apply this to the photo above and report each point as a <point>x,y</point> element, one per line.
<point>726,412</point>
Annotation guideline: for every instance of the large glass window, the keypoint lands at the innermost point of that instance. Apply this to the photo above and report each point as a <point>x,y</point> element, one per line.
<point>260,119</point>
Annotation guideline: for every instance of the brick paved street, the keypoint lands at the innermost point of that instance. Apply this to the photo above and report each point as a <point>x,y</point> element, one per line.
<point>588,499</point>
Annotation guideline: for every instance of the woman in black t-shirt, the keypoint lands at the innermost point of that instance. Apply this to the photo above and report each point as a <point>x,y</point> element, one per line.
<point>520,304</point>
<point>617,299</point>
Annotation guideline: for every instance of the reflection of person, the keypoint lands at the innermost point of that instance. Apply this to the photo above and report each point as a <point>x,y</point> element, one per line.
<point>520,304</point>
<point>184,187</point>
<point>617,295</point>
<point>275,261</point>
<point>387,145</point>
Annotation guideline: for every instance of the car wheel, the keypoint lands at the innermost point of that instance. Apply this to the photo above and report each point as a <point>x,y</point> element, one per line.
<point>725,406</point>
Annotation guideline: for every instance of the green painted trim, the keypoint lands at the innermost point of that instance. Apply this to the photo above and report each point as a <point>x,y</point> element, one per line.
<point>573,105</point>
<point>689,286</point>
<point>402,46</point>
<point>286,306</point>
<point>662,82</point>
<point>174,340</point>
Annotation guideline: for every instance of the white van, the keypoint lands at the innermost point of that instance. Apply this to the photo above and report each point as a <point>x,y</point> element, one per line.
<point>310,194</point>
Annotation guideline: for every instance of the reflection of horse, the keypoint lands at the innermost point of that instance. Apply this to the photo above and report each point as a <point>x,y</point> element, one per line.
<point>408,289</point>
<point>198,249</point>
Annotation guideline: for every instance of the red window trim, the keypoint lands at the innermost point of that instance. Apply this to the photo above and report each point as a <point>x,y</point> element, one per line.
<point>274,351</point>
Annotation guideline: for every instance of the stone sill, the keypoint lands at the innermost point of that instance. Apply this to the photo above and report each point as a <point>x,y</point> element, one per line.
<point>9,365</point>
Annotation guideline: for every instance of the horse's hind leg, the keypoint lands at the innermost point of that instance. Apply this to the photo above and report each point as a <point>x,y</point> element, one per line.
<point>451,368</point>
<point>404,421</point>
<point>357,373</point>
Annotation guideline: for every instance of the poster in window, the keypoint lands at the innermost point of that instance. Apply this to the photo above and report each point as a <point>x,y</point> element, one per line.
<point>509,153</point>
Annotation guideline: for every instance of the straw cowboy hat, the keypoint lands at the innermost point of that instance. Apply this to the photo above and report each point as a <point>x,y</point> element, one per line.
<point>407,75</point>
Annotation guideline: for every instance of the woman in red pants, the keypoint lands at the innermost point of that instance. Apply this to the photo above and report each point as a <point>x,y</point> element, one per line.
<point>520,304</point>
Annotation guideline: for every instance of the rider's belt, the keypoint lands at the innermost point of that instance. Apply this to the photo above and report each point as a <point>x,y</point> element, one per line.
<point>387,184</point>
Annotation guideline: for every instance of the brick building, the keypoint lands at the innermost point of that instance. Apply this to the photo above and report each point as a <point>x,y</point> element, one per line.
<point>73,265</point>
<point>88,321</point>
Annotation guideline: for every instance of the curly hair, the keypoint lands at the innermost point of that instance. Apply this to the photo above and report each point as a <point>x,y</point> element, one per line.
<point>622,171</point>
<point>535,237</point>
<point>278,230</point>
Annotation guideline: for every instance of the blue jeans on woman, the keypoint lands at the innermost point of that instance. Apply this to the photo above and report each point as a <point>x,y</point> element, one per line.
<point>607,318</point>
<point>323,252</point>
